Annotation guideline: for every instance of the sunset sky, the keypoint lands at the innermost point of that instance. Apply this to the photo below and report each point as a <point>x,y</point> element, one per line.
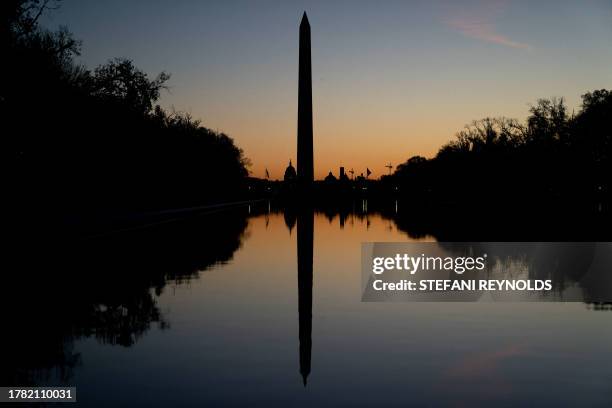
<point>391,79</point>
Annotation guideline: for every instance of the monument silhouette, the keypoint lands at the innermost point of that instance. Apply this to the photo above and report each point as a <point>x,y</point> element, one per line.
<point>305,165</point>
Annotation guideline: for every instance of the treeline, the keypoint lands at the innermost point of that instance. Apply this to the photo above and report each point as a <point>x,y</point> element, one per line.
<point>554,156</point>
<point>80,139</point>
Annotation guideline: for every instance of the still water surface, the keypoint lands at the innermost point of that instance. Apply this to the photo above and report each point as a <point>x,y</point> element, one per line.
<point>239,332</point>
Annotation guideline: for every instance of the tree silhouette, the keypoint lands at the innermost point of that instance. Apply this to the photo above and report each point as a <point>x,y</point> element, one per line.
<point>87,140</point>
<point>119,81</point>
<point>553,159</point>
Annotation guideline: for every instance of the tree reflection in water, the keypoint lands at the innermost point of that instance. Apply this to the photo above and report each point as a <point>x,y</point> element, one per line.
<point>59,289</point>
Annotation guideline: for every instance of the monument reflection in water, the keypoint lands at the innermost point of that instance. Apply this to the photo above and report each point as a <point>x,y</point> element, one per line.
<point>305,238</point>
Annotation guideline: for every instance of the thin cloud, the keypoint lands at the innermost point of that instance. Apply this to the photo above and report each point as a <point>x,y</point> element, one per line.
<point>480,26</point>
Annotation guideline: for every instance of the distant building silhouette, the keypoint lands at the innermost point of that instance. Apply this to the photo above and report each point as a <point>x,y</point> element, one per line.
<point>330,178</point>
<point>305,165</point>
<point>343,176</point>
<point>290,174</point>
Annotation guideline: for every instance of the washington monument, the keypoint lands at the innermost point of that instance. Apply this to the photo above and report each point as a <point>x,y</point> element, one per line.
<point>305,165</point>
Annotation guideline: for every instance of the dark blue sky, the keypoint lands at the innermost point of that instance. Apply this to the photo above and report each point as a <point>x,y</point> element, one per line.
<point>407,74</point>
